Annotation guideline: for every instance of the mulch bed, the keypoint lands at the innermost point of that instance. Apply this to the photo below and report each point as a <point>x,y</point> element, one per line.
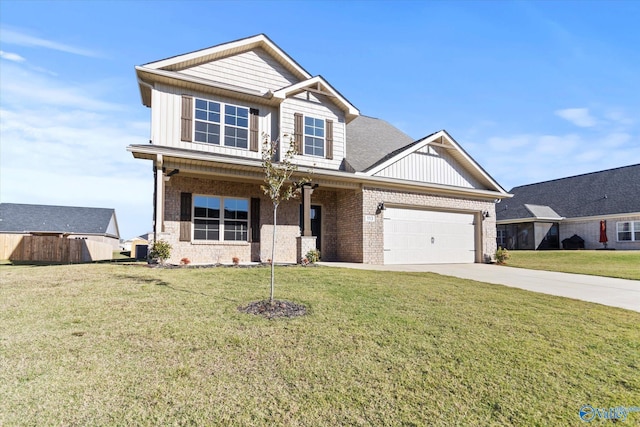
<point>274,310</point>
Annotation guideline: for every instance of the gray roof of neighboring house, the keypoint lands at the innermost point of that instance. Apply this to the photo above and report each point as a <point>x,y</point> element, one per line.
<point>24,218</point>
<point>607,192</point>
<point>369,140</point>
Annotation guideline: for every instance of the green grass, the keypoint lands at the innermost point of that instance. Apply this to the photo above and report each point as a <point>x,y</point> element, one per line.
<point>114,344</point>
<point>622,264</point>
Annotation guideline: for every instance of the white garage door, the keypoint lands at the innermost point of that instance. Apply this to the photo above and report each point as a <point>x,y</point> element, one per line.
<point>414,236</point>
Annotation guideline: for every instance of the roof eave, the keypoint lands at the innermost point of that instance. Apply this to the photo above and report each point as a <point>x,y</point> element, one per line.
<point>150,152</point>
<point>147,78</point>
<point>417,145</point>
<point>240,45</point>
<point>350,110</point>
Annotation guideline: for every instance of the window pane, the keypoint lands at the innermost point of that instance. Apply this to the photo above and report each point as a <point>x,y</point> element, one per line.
<point>236,209</point>
<point>206,207</point>
<point>206,229</point>
<point>308,121</point>
<point>235,230</point>
<point>314,146</point>
<point>201,115</point>
<point>624,231</point>
<point>235,137</point>
<point>201,104</point>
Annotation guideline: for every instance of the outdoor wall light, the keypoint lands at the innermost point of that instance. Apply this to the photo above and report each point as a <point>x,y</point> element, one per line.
<point>485,214</point>
<point>380,207</point>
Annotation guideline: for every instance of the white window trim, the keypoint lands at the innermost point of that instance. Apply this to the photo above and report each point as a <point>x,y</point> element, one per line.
<point>632,230</point>
<point>304,136</point>
<point>221,220</point>
<point>222,123</point>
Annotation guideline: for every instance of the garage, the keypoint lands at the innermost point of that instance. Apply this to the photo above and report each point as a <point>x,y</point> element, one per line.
<point>413,236</point>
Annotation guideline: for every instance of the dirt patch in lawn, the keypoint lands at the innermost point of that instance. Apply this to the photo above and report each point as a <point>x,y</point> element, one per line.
<point>275,309</point>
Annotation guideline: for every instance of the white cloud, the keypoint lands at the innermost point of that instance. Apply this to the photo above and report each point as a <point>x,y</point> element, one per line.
<point>578,116</point>
<point>20,38</point>
<point>528,158</point>
<point>20,86</point>
<point>11,56</point>
<point>61,144</point>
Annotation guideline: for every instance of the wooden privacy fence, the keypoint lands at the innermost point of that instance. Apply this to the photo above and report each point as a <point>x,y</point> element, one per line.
<point>53,249</point>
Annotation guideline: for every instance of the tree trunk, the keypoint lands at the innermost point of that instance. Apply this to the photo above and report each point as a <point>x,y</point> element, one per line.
<point>273,251</point>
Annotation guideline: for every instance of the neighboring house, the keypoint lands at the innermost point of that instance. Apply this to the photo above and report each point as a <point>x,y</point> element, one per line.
<point>137,246</point>
<point>376,195</point>
<point>97,224</point>
<point>542,215</point>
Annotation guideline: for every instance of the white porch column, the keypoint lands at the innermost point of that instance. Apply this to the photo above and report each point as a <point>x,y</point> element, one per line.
<point>159,207</point>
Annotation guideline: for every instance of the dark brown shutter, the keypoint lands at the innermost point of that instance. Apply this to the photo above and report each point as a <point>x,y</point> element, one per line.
<point>329,138</point>
<point>185,217</point>
<point>255,219</point>
<point>253,129</point>
<point>298,129</point>
<point>186,123</point>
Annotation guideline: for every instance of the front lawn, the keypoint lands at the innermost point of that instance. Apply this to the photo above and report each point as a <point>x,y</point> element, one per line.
<point>113,344</point>
<point>622,264</point>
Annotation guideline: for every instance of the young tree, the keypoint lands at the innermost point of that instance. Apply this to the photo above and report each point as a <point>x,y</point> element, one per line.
<point>278,185</point>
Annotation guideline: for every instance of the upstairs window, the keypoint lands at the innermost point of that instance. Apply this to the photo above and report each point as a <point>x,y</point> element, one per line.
<point>628,231</point>
<point>236,131</point>
<point>313,137</point>
<point>208,123</point>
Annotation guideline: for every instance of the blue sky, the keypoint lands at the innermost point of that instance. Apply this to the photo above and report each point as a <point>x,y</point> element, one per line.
<point>533,90</point>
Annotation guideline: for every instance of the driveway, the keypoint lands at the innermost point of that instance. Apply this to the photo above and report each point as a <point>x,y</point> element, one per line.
<point>602,290</point>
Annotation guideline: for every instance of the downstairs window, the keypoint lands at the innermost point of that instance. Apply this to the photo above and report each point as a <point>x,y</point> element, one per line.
<point>220,219</point>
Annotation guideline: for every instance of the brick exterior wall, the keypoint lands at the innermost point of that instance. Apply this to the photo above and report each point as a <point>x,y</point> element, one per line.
<point>349,227</point>
<point>373,232</point>
<point>345,235</point>
<point>589,230</point>
<point>223,252</point>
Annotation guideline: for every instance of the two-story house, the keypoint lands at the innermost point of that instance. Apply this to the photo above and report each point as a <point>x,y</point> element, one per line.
<point>377,196</point>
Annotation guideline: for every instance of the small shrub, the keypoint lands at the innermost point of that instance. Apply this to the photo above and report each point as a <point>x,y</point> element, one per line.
<point>161,250</point>
<point>185,261</point>
<point>502,255</point>
<point>235,260</point>
<point>313,256</point>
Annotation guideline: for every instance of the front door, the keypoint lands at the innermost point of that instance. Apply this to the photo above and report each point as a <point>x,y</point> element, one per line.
<point>316,223</point>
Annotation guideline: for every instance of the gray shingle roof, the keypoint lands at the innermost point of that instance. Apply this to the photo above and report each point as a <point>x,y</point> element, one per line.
<point>607,192</point>
<point>22,218</point>
<point>369,140</point>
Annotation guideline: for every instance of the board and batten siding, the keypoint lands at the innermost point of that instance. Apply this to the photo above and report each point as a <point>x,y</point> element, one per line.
<point>254,69</point>
<point>433,165</point>
<point>320,109</point>
<point>166,118</point>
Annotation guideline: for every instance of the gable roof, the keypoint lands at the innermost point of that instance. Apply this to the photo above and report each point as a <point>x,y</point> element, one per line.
<point>370,139</point>
<point>440,139</point>
<point>608,192</point>
<point>212,53</point>
<point>25,218</point>
<point>168,71</point>
<point>320,86</point>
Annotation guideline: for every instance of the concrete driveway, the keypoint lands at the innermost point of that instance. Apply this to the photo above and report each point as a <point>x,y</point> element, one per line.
<point>602,290</point>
